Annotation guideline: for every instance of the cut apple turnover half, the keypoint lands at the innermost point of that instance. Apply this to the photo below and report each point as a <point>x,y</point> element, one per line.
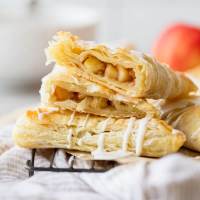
<point>61,88</point>
<point>52,128</point>
<point>126,72</point>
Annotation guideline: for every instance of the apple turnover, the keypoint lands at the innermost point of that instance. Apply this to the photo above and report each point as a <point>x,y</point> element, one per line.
<point>126,72</point>
<point>54,128</point>
<point>61,88</point>
<point>187,119</point>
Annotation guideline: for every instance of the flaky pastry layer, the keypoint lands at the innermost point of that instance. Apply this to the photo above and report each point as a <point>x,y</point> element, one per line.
<point>51,128</point>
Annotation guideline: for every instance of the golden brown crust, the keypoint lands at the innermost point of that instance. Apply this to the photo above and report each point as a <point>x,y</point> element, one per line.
<point>49,128</point>
<point>138,75</point>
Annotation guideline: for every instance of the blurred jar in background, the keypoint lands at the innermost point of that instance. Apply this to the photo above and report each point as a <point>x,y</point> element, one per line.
<point>25,29</point>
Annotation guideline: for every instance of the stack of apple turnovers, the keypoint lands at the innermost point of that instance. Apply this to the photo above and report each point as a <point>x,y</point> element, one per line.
<point>110,102</point>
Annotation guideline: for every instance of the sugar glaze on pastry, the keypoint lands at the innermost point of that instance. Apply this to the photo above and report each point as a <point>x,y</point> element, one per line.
<point>108,135</point>
<point>140,134</point>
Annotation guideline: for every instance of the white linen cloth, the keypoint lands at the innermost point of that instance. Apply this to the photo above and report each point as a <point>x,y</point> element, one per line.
<point>172,177</point>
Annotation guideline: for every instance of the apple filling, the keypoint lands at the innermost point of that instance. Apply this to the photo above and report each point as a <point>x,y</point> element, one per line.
<point>61,94</point>
<point>118,73</point>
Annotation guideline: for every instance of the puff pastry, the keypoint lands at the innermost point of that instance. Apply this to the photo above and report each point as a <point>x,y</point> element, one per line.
<point>127,72</point>
<point>53,128</point>
<point>65,90</point>
<point>187,119</point>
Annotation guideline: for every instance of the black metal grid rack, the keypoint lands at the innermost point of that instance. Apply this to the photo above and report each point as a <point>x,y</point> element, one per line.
<point>32,168</point>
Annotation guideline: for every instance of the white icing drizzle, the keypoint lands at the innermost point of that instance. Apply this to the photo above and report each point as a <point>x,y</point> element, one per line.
<point>82,126</point>
<point>127,133</point>
<point>105,123</point>
<point>80,141</point>
<point>86,120</point>
<point>71,118</point>
<point>100,141</point>
<point>139,135</point>
<point>70,161</point>
<point>69,137</point>
<point>93,88</point>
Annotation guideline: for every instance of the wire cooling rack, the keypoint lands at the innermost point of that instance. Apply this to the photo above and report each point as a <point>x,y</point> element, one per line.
<point>70,168</point>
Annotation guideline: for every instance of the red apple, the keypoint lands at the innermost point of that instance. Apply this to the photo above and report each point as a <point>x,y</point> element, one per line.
<point>179,46</point>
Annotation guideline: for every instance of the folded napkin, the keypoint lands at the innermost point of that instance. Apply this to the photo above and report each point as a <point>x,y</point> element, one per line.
<point>172,177</point>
